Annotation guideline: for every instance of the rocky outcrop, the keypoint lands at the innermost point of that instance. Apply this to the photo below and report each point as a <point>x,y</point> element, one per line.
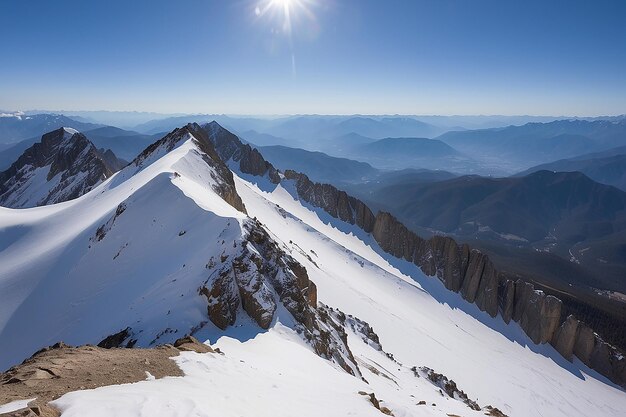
<point>447,386</point>
<point>565,337</point>
<point>333,201</point>
<point>537,313</point>
<point>63,166</point>
<point>473,275</point>
<point>262,277</point>
<point>506,299</point>
<point>576,337</point>
<point>232,150</point>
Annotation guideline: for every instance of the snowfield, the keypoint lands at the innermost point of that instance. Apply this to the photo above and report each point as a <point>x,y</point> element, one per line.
<point>164,225</point>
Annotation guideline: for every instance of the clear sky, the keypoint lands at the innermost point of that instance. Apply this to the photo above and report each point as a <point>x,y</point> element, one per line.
<point>540,57</point>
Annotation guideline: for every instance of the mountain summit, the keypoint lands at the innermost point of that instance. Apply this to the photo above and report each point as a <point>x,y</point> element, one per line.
<point>63,166</point>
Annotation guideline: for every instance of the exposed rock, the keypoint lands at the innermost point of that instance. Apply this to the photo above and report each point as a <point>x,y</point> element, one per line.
<point>358,326</point>
<point>539,315</point>
<point>252,279</point>
<point>449,387</point>
<point>191,344</point>
<point>565,337</point>
<point>471,282</point>
<point>64,166</point>
<point>335,202</point>
<point>223,299</point>
<point>584,344</point>
<point>109,157</point>
<point>230,148</point>
<point>600,358</point>
<point>115,340</point>
<point>494,412</point>
<point>256,298</point>
<point>59,369</point>
<point>506,299</point>
<point>376,403</point>
<point>487,296</point>
<point>450,261</point>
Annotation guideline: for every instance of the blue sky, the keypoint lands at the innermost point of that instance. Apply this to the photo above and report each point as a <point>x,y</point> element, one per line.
<point>561,57</point>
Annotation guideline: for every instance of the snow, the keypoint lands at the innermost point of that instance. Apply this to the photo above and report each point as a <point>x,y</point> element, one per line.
<point>51,262</point>
<point>15,405</point>
<point>275,374</point>
<point>69,132</point>
<point>146,271</point>
<point>423,324</point>
<point>33,188</point>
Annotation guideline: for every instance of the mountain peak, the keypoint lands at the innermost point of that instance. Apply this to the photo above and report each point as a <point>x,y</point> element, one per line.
<point>64,165</point>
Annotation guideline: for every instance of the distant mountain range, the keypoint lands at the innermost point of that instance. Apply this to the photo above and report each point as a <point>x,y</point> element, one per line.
<point>521,147</point>
<point>564,214</point>
<point>607,167</point>
<point>15,128</point>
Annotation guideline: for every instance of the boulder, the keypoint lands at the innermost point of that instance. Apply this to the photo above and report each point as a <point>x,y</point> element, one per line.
<point>191,344</point>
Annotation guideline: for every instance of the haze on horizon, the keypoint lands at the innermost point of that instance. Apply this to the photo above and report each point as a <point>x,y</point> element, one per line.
<point>326,57</point>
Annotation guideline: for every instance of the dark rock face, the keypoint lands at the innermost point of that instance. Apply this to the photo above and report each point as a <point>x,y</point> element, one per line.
<point>472,273</point>
<point>335,202</point>
<point>539,315</point>
<point>223,300</point>
<point>585,343</point>
<point>115,340</point>
<point>112,160</point>
<point>263,276</point>
<point>475,269</point>
<point>230,148</point>
<point>506,299</point>
<point>72,166</point>
<point>565,337</point>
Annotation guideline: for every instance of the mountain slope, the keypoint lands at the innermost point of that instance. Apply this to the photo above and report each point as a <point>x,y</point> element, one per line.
<point>610,170</point>
<point>470,272</point>
<point>164,242</point>
<point>63,166</point>
<point>301,303</point>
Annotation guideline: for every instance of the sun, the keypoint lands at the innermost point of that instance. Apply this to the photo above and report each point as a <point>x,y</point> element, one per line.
<point>282,3</point>
<point>285,10</point>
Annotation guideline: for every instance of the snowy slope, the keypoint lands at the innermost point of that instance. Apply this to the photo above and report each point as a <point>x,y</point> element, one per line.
<point>54,269</point>
<point>423,324</point>
<point>418,321</point>
<point>133,252</point>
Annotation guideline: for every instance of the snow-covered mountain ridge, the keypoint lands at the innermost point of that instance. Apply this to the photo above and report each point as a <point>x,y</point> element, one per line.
<point>177,243</point>
<point>460,268</point>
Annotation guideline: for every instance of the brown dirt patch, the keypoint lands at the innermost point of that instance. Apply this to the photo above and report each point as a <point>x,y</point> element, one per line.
<point>59,369</point>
